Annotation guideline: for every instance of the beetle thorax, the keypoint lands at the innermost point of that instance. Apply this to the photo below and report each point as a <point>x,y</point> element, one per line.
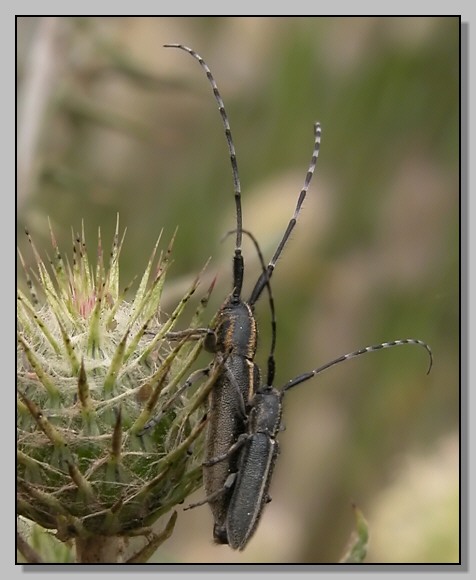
<point>236,329</point>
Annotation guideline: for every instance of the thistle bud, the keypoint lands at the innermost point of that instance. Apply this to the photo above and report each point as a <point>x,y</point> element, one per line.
<point>108,437</point>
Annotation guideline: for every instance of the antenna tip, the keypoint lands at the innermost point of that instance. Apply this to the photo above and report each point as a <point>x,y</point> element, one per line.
<point>431,360</point>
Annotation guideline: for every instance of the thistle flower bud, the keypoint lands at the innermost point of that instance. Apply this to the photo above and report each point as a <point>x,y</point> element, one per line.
<point>94,369</point>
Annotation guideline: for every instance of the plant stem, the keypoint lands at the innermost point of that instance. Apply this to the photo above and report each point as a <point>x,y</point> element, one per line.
<point>99,549</point>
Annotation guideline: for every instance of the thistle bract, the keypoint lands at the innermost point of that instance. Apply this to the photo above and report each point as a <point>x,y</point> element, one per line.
<point>93,370</point>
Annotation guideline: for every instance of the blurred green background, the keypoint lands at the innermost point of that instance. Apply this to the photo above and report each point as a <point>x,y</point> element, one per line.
<point>109,122</point>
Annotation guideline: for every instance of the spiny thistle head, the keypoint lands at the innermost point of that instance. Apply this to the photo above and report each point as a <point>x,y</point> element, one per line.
<point>93,370</point>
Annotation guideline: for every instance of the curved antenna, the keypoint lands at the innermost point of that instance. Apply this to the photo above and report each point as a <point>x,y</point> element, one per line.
<point>271,359</point>
<point>238,265</point>
<point>306,376</point>
<point>266,275</point>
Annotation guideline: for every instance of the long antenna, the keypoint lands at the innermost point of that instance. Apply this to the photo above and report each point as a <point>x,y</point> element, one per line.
<point>266,275</point>
<point>238,267</point>
<point>306,376</point>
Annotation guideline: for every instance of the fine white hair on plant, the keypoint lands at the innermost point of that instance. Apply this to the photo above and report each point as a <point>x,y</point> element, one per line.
<point>96,362</point>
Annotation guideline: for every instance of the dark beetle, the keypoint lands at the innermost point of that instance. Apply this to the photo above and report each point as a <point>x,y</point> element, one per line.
<point>256,451</point>
<point>235,338</point>
<point>255,467</point>
<point>236,330</point>
<point>244,417</point>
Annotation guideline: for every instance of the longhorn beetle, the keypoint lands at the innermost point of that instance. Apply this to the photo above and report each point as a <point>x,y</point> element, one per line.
<point>235,336</point>
<point>257,449</point>
<point>245,417</point>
